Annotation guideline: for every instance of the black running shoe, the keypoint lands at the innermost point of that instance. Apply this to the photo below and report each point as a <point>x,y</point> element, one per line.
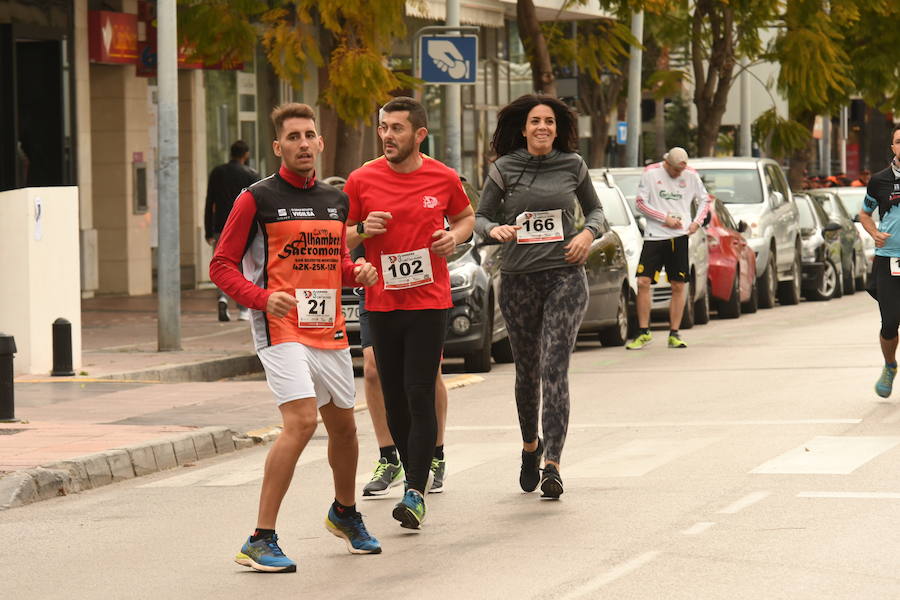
<point>551,483</point>
<point>223,311</point>
<point>530,475</point>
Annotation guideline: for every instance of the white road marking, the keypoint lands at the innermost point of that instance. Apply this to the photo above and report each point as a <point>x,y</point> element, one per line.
<point>232,472</point>
<point>852,495</point>
<point>829,455</point>
<point>616,572</point>
<point>631,425</point>
<point>635,458</point>
<point>698,528</point>
<point>746,501</point>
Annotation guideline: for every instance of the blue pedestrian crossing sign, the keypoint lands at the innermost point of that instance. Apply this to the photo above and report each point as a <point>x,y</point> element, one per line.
<point>449,58</point>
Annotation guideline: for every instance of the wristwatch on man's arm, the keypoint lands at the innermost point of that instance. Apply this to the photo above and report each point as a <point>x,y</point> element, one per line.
<point>361,230</point>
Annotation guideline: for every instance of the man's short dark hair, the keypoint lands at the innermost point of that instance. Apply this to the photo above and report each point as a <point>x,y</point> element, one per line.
<point>291,110</point>
<point>239,149</point>
<point>417,115</point>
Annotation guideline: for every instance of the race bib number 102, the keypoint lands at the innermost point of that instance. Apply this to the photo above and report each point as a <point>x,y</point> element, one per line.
<point>539,227</point>
<point>406,269</point>
<point>316,307</point>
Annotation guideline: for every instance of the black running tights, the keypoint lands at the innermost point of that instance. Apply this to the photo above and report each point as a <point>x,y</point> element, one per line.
<point>408,345</point>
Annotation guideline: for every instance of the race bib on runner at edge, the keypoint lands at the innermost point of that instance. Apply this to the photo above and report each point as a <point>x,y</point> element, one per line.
<point>895,267</point>
<point>539,227</point>
<point>316,307</point>
<point>406,269</point>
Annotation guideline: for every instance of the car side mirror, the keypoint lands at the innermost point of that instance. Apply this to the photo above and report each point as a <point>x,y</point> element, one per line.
<point>742,226</point>
<point>832,226</point>
<point>856,218</point>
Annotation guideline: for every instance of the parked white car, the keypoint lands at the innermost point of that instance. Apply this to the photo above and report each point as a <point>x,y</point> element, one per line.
<point>621,220</point>
<point>755,190</point>
<point>852,199</point>
<point>696,308</point>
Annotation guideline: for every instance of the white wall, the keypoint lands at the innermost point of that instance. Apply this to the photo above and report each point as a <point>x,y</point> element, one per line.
<point>41,277</point>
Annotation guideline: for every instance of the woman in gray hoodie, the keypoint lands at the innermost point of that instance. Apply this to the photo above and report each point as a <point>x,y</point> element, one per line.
<point>528,205</point>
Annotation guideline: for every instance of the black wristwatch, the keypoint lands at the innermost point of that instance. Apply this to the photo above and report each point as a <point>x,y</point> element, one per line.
<point>361,228</point>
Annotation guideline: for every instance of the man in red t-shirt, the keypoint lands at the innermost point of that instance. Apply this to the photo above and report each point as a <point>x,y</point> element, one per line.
<point>288,231</point>
<point>402,200</point>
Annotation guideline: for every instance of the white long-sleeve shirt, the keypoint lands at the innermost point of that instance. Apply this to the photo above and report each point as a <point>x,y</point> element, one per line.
<point>659,195</point>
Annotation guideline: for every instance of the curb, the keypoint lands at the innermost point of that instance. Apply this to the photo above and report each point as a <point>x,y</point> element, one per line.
<point>204,370</point>
<point>102,468</point>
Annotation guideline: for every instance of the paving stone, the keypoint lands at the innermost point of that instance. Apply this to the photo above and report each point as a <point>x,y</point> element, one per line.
<point>119,464</point>
<point>242,443</point>
<point>17,489</point>
<point>222,438</point>
<point>184,449</point>
<point>98,470</point>
<point>79,480</point>
<point>164,453</point>
<point>142,459</point>
<point>51,483</point>
<point>204,445</point>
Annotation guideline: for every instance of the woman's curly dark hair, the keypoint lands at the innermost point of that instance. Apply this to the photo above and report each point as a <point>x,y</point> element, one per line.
<point>511,120</point>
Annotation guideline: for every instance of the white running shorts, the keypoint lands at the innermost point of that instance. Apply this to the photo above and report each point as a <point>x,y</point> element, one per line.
<point>295,371</point>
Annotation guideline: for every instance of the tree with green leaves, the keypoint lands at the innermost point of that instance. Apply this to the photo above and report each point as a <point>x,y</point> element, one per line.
<point>346,39</point>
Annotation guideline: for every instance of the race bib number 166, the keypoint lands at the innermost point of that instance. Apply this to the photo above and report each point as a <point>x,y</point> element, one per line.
<point>539,227</point>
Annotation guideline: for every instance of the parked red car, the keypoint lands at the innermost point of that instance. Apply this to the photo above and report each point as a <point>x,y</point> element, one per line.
<point>732,264</point>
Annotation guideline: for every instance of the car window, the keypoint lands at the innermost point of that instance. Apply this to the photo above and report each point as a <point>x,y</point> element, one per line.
<point>732,186</point>
<point>852,201</point>
<point>628,183</point>
<point>821,213</point>
<point>807,221</point>
<point>613,208</point>
<point>775,180</point>
<point>724,215</point>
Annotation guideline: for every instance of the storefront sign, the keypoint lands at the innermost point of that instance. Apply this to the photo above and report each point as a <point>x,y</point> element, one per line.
<point>113,37</point>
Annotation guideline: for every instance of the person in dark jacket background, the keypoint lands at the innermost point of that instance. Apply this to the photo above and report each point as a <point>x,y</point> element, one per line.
<point>226,182</point>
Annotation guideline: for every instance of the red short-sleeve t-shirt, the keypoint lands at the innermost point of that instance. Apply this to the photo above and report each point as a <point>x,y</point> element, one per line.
<point>418,202</point>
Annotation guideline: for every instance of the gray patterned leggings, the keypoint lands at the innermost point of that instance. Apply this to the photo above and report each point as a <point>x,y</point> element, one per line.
<point>543,312</point>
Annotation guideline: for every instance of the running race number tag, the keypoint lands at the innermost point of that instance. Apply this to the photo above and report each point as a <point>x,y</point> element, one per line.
<point>895,267</point>
<point>539,227</point>
<point>406,269</point>
<point>316,307</point>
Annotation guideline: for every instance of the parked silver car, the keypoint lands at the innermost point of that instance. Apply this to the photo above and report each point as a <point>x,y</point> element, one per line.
<point>756,191</point>
<point>853,258</point>
<point>696,309</point>
<point>852,199</point>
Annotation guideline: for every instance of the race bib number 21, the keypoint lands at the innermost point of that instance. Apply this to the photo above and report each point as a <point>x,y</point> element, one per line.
<point>316,307</point>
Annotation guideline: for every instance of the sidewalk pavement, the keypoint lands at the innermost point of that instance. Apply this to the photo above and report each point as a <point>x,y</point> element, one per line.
<point>132,410</point>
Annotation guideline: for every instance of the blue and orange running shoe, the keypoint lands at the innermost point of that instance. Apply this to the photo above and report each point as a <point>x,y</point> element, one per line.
<point>265,555</point>
<point>353,531</point>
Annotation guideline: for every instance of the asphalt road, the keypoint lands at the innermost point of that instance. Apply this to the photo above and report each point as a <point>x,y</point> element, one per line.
<point>757,463</point>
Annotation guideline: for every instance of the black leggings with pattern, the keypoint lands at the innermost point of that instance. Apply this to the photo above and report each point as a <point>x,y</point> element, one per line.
<point>543,311</point>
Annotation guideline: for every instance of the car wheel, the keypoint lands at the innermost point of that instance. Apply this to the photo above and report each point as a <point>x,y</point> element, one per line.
<point>827,284</point>
<point>789,291</point>
<point>862,279</point>
<point>752,302</point>
<point>731,309</point>
<point>701,308</point>
<point>768,284</point>
<point>480,360</point>
<point>687,317</point>
<point>617,335</point>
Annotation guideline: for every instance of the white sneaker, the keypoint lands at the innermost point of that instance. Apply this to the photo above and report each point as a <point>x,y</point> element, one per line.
<point>244,314</point>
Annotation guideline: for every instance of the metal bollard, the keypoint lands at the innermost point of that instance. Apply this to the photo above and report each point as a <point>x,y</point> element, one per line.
<point>7,393</point>
<point>62,348</point>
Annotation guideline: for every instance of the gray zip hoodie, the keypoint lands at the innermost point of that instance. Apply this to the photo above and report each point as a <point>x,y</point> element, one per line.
<point>520,182</point>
